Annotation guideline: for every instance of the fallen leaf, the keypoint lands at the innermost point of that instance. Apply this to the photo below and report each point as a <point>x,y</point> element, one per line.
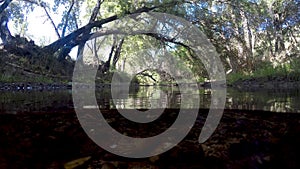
<point>75,163</point>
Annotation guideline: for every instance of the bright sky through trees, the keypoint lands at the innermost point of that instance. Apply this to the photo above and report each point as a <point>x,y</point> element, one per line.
<point>40,29</point>
<point>244,32</point>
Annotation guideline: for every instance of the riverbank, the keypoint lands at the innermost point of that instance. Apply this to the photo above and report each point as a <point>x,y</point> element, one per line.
<point>266,76</point>
<point>47,73</point>
<point>28,86</point>
<point>274,82</point>
<point>243,139</point>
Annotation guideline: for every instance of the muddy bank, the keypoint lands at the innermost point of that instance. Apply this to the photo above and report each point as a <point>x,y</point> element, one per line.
<point>33,86</point>
<point>244,139</point>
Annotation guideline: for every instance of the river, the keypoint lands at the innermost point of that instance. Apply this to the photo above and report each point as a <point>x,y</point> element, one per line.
<point>148,97</point>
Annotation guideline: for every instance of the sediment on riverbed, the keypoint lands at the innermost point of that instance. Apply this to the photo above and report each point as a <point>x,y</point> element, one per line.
<point>243,139</point>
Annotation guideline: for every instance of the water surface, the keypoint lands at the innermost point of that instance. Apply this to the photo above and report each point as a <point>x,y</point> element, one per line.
<point>147,97</point>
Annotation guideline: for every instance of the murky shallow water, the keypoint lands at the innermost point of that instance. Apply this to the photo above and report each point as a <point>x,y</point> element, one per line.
<point>243,139</point>
<point>149,97</point>
<point>50,135</point>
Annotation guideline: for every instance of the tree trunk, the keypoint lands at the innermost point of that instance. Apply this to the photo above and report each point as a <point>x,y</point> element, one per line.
<point>4,5</point>
<point>117,53</point>
<point>67,19</point>
<point>279,42</point>
<point>112,50</point>
<point>247,41</point>
<point>87,32</point>
<point>5,34</point>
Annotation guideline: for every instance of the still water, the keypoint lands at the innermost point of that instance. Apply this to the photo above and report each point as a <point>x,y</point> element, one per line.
<point>147,97</point>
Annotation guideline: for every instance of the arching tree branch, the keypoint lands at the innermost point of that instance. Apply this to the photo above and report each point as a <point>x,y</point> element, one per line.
<point>76,37</point>
<point>4,5</point>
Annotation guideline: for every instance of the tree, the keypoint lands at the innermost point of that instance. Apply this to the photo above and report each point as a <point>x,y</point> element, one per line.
<point>243,32</point>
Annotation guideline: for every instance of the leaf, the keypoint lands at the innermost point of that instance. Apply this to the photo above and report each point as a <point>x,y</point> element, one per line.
<point>75,163</point>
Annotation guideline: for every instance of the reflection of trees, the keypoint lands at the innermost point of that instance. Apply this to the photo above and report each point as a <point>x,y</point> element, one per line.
<point>155,97</point>
<point>170,97</point>
<point>270,100</point>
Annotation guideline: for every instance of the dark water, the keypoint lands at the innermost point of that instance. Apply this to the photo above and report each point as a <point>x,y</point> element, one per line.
<point>243,139</point>
<point>147,97</point>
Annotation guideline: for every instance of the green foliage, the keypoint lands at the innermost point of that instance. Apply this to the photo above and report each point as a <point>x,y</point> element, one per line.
<point>21,78</point>
<point>7,78</point>
<point>267,70</point>
<point>233,77</point>
<point>119,7</point>
<point>148,77</point>
<point>244,31</point>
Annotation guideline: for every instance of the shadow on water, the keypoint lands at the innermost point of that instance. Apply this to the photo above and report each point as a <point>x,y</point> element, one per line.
<point>12,102</point>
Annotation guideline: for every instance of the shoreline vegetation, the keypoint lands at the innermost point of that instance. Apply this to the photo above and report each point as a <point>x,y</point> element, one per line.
<point>36,71</point>
<point>19,73</point>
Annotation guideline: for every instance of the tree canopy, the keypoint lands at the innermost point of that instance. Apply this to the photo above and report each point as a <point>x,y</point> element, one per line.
<point>246,33</point>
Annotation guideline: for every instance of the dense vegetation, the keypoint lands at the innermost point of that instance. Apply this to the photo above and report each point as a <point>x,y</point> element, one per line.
<point>253,37</point>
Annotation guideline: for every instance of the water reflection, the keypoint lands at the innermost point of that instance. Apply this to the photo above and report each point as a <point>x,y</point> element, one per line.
<point>269,100</point>
<point>34,101</point>
<point>148,97</point>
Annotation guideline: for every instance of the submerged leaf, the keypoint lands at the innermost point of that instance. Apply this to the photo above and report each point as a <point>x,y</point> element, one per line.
<point>75,163</point>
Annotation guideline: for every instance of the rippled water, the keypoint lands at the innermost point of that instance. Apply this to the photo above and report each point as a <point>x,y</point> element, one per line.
<point>147,97</point>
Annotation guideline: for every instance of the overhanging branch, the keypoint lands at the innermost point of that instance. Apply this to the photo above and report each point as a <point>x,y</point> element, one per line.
<point>73,37</point>
<point>4,5</point>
